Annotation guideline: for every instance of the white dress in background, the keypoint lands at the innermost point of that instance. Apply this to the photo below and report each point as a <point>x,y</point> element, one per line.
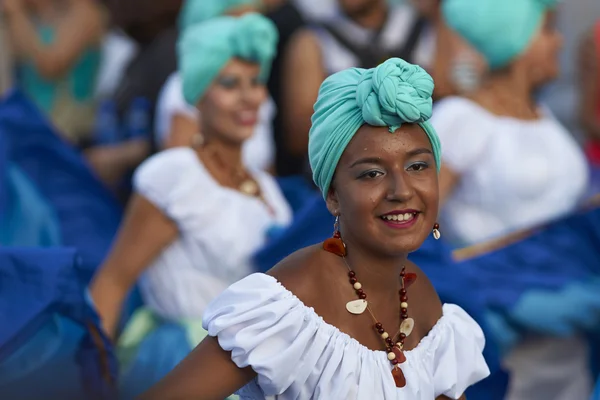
<point>297,355</point>
<point>258,151</point>
<point>514,174</point>
<point>219,231</point>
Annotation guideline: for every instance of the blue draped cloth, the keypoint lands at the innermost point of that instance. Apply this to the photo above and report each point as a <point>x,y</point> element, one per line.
<point>88,214</point>
<point>558,262</point>
<point>596,395</point>
<point>51,343</point>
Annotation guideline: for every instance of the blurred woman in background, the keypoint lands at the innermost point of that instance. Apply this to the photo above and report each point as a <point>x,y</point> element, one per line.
<point>510,165</point>
<point>199,213</point>
<point>56,44</point>
<point>178,123</point>
<point>589,105</point>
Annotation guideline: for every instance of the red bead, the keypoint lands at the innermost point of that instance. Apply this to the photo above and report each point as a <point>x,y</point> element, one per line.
<point>402,336</point>
<point>399,354</point>
<point>388,349</point>
<point>402,273</point>
<point>402,292</point>
<point>363,296</point>
<point>351,274</point>
<point>409,279</point>
<point>404,316</point>
<point>436,226</point>
<point>380,330</point>
<point>335,245</point>
<point>378,325</point>
<point>403,298</point>
<point>353,280</point>
<point>389,341</point>
<point>399,378</point>
<point>404,310</point>
<point>359,292</point>
<point>394,361</point>
<point>337,234</point>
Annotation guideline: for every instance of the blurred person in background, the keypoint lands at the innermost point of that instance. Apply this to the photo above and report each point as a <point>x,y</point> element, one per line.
<point>56,45</point>
<point>178,123</point>
<point>198,214</point>
<point>589,104</point>
<point>510,165</point>
<point>363,34</point>
<point>151,26</point>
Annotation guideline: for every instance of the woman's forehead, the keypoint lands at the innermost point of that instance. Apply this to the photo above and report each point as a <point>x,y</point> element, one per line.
<point>379,141</point>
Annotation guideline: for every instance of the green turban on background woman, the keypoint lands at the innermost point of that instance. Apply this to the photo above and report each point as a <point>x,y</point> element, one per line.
<point>501,30</point>
<point>390,95</point>
<point>204,49</point>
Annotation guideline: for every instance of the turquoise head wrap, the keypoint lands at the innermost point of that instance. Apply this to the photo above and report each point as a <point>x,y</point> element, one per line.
<point>392,94</point>
<point>500,30</point>
<point>204,49</point>
<point>196,11</point>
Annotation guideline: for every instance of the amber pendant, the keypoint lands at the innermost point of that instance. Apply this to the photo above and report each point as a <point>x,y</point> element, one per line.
<point>399,378</point>
<point>335,245</point>
<point>400,357</point>
<point>409,279</point>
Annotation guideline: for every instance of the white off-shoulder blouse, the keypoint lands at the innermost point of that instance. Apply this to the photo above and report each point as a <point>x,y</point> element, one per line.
<point>297,355</point>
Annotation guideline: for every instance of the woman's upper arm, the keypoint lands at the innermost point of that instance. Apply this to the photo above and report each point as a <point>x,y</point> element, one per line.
<point>88,21</point>
<point>208,373</point>
<point>143,234</point>
<point>589,85</point>
<point>302,78</point>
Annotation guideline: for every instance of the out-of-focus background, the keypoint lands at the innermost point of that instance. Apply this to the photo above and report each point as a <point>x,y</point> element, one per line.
<point>91,89</point>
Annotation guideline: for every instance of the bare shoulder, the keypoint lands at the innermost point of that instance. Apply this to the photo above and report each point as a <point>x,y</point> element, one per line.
<point>424,300</point>
<point>300,273</point>
<point>305,40</point>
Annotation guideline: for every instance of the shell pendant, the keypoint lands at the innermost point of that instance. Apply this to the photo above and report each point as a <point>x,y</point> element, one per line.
<point>356,307</point>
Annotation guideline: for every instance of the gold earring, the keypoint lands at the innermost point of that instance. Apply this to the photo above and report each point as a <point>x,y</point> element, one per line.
<point>436,231</point>
<point>198,140</point>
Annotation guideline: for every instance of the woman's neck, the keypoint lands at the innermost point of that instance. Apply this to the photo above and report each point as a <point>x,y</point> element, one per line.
<point>373,18</point>
<point>508,94</point>
<point>228,152</point>
<point>376,274</point>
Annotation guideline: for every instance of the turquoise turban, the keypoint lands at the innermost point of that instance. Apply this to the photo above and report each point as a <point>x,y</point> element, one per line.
<point>205,48</point>
<point>392,94</point>
<point>500,30</point>
<point>196,11</point>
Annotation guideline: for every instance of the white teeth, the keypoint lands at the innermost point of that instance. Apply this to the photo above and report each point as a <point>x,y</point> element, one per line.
<point>399,217</point>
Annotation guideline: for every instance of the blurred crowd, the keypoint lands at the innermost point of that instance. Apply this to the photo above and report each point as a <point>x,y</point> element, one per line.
<point>210,162</point>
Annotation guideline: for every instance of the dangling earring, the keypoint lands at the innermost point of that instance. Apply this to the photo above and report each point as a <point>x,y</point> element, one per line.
<point>436,231</point>
<point>198,140</point>
<point>335,244</point>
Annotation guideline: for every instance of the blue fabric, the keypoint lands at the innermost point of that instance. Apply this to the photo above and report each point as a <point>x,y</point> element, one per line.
<point>44,310</point>
<point>28,219</point>
<point>559,261</point>
<point>88,213</point>
<point>157,355</point>
<point>596,395</point>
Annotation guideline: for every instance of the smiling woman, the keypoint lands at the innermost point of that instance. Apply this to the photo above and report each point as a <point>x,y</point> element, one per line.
<point>183,234</point>
<point>334,320</point>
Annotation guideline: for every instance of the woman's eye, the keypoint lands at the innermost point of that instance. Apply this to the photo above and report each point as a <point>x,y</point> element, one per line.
<point>418,167</point>
<point>371,174</point>
<point>228,82</point>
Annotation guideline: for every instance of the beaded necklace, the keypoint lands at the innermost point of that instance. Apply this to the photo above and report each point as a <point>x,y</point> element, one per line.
<point>394,346</point>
